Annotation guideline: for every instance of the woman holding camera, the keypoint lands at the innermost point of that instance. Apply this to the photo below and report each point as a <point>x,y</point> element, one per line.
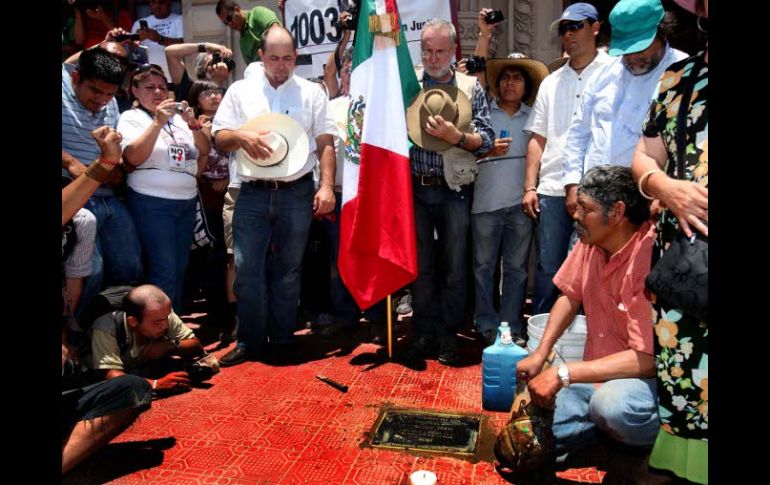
<point>163,144</point>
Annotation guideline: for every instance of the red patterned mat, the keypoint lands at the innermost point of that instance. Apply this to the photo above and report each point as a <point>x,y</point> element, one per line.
<point>262,424</point>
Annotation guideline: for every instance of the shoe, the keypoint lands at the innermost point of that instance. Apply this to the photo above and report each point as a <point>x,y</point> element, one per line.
<point>420,348</point>
<point>447,350</point>
<point>333,329</point>
<point>235,357</point>
<point>404,304</point>
<point>489,336</point>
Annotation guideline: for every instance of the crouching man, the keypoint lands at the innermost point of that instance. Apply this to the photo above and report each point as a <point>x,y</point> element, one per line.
<point>613,387</point>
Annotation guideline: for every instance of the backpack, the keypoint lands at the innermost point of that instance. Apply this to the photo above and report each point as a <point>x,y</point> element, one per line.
<point>108,300</point>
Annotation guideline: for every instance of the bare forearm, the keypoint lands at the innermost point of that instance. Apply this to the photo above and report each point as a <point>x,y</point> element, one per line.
<point>535,149</point>
<point>627,364</point>
<point>325,152</point>
<point>227,140</point>
<point>190,347</point>
<point>139,150</point>
<point>562,314</point>
<point>75,195</point>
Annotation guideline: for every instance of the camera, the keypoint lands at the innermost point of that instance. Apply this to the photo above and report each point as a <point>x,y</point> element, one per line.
<point>351,7</point>
<point>137,55</point>
<point>122,37</point>
<point>494,17</point>
<point>179,108</point>
<point>203,369</point>
<point>475,64</point>
<point>216,58</point>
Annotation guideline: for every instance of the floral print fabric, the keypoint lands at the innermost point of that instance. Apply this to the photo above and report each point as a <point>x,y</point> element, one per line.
<point>681,343</point>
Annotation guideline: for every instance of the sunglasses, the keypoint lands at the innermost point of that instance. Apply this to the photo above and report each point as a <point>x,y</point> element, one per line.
<point>571,26</point>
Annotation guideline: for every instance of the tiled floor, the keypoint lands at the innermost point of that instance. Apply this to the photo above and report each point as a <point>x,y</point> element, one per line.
<point>270,424</point>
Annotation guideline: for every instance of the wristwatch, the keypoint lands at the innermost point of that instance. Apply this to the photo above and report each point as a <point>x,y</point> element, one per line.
<point>201,47</point>
<point>563,372</point>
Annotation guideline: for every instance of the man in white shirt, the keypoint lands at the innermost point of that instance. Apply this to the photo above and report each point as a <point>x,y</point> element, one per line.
<point>557,101</point>
<point>271,221</point>
<point>163,28</point>
<point>608,126</point>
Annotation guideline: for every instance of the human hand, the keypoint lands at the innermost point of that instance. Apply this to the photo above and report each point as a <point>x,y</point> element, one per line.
<point>174,381</point>
<point>500,147</point>
<point>165,111</point>
<point>529,367</point>
<point>218,73</point>
<point>543,388</point>
<point>114,33</point>
<point>484,27</point>
<point>324,201</point>
<point>689,202</point>
<point>461,65</point>
<point>530,204</point>
<point>108,139</point>
<point>570,205</point>
<point>220,185</point>
<point>440,128</point>
<point>149,34</point>
<point>254,144</point>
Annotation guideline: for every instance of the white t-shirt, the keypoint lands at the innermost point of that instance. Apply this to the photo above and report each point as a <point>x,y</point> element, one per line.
<point>171,27</point>
<point>298,98</point>
<point>159,176</point>
<point>558,101</point>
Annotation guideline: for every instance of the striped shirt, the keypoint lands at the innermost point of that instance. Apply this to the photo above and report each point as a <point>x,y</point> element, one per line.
<point>77,123</point>
<point>618,313</point>
<point>425,162</point>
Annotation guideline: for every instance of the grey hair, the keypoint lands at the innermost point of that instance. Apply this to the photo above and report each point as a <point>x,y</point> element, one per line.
<point>441,24</point>
<point>608,184</point>
<point>201,61</point>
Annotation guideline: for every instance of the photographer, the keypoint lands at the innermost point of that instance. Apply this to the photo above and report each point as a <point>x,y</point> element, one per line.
<point>214,62</point>
<point>250,23</point>
<point>337,59</point>
<point>159,30</point>
<point>141,340</point>
<point>476,64</point>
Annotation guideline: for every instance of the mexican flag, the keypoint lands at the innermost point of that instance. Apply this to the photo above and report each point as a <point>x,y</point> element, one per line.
<point>378,248</point>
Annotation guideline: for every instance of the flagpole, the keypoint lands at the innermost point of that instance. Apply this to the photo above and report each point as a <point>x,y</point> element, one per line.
<point>390,331</point>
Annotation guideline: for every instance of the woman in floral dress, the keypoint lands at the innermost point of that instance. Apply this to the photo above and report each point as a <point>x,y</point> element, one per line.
<point>681,343</point>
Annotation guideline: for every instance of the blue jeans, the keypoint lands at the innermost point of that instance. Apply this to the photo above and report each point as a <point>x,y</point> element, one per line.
<point>553,232</point>
<point>165,228</point>
<point>508,229</point>
<point>626,409</point>
<point>117,258</point>
<point>439,292</point>
<point>270,232</point>
<point>344,307</point>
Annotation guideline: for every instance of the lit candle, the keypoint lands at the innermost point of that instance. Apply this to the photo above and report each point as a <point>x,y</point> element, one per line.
<point>422,477</point>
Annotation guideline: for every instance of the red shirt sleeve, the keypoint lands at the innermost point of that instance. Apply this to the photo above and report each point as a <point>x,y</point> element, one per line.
<point>569,278</point>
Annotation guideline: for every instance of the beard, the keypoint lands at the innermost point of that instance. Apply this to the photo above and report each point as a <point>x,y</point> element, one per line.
<point>643,66</point>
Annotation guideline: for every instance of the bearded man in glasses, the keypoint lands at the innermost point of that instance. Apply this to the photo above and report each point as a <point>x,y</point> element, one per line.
<point>615,102</point>
<point>557,101</point>
<point>250,23</point>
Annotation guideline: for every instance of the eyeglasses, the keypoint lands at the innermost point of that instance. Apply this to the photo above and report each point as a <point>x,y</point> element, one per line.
<point>437,53</point>
<point>571,26</point>
<point>210,93</point>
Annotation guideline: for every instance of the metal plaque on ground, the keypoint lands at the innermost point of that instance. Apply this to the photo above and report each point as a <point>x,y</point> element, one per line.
<point>447,433</point>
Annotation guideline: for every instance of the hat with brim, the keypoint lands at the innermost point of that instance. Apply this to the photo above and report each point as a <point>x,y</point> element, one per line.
<point>634,25</point>
<point>557,63</point>
<point>576,12</point>
<point>289,143</point>
<point>537,72</point>
<point>441,99</point>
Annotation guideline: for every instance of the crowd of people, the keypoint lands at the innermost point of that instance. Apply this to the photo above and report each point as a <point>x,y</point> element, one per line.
<point>599,164</point>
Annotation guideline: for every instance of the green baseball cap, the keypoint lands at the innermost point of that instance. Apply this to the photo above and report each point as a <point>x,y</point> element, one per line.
<point>634,25</point>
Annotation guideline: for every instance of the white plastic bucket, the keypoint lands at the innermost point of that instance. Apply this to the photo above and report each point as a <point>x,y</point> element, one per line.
<point>571,343</point>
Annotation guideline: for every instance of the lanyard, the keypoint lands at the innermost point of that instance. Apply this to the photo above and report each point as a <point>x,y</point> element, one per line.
<point>166,128</point>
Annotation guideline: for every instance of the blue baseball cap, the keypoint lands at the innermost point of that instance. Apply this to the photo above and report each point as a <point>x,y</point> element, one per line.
<point>577,11</point>
<point>634,25</point>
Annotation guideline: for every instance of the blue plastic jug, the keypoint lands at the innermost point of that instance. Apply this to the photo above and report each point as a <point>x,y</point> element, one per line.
<point>498,368</point>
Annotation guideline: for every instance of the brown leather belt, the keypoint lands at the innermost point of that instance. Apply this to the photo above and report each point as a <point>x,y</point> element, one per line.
<point>277,184</point>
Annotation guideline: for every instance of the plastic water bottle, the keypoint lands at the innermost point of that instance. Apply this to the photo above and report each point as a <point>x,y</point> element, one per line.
<point>498,368</point>
<point>504,133</point>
